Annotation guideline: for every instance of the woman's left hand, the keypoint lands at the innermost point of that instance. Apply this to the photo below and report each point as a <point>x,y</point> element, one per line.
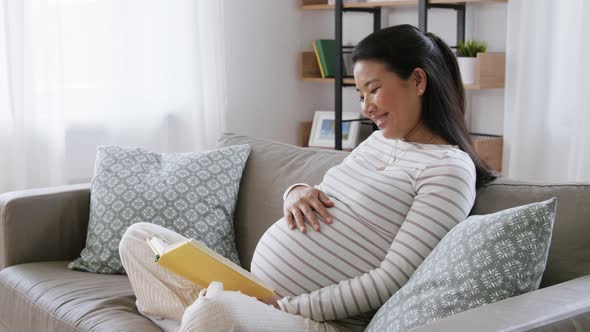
<point>273,300</point>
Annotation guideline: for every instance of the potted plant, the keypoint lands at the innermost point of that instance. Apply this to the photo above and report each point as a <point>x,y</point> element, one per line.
<point>466,53</point>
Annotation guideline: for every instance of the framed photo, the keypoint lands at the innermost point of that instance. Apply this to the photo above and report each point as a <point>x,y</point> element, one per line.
<point>323,130</point>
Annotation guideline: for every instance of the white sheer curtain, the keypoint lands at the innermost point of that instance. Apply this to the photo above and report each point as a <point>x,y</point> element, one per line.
<point>75,74</point>
<point>547,110</point>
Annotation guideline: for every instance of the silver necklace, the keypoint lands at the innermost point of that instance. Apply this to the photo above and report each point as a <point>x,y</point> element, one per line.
<point>394,155</point>
<point>393,158</point>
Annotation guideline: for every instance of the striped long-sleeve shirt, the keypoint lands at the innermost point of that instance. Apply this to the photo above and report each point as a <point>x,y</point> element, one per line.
<point>386,221</point>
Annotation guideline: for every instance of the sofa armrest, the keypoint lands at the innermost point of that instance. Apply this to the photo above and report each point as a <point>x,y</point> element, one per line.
<point>43,224</point>
<point>562,307</point>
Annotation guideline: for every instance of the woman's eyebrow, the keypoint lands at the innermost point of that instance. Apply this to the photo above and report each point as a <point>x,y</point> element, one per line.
<point>368,82</point>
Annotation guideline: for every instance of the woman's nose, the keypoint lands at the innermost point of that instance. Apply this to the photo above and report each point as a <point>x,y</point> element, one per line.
<point>368,108</point>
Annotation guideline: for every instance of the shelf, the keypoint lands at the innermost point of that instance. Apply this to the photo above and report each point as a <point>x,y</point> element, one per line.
<point>489,71</point>
<point>323,4</point>
<point>310,71</point>
<point>305,132</point>
<point>326,80</point>
<point>489,149</point>
<point>490,68</point>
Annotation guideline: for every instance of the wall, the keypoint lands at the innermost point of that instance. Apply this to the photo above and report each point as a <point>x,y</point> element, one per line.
<point>267,99</point>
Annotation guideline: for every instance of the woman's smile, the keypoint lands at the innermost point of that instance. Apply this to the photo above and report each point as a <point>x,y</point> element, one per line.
<point>380,119</point>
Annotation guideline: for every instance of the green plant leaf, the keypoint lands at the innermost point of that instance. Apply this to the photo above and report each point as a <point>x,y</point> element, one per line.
<point>470,48</point>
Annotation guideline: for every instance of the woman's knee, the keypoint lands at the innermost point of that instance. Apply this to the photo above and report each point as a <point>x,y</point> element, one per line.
<point>134,234</point>
<point>206,315</point>
<point>226,311</point>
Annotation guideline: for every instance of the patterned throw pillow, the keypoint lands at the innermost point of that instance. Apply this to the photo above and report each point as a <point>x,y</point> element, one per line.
<point>193,194</point>
<point>482,260</point>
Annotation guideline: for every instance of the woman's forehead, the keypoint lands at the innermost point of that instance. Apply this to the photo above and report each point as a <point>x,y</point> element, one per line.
<point>367,72</point>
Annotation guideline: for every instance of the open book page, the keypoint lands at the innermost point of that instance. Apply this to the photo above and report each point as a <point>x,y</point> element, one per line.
<point>201,265</point>
<point>158,246</point>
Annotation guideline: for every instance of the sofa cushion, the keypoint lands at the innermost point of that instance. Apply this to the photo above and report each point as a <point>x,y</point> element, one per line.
<point>271,168</point>
<point>49,297</point>
<point>570,247</point>
<point>193,194</point>
<point>484,259</point>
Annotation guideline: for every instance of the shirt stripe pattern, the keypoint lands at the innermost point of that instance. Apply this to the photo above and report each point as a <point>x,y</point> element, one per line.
<point>385,224</point>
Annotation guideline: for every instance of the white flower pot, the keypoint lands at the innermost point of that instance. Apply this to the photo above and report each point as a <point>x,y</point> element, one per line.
<point>467,68</point>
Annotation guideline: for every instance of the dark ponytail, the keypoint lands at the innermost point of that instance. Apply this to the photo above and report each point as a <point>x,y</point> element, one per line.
<point>402,49</point>
<point>453,66</point>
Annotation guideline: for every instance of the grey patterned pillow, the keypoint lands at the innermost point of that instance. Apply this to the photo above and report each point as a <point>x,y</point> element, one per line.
<point>482,260</point>
<point>193,194</point>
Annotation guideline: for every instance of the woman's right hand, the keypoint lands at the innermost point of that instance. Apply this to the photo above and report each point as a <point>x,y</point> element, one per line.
<point>301,204</point>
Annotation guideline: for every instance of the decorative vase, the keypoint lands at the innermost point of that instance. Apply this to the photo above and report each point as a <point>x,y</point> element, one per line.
<point>467,69</point>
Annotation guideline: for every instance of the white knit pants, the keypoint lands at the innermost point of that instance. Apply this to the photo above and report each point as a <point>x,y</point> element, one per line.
<point>176,304</point>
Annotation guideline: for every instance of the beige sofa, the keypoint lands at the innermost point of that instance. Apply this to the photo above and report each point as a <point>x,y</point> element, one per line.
<point>41,230</point>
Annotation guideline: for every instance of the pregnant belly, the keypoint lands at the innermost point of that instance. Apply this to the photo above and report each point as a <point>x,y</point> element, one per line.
<point>296,263</point>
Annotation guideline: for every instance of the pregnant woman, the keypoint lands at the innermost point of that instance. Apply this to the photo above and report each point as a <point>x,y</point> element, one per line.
<point>386,206</point>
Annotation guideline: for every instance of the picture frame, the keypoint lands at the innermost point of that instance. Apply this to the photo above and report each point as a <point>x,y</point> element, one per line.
<point>323,130</point>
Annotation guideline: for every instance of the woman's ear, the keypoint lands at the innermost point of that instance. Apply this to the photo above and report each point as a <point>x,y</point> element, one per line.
<point>420,79</point>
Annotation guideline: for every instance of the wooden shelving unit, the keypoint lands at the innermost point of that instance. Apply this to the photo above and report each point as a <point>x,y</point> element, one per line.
<point>323,4</point>
<point>319,5</point>
<point>490,67</point>
<point>489,149</point>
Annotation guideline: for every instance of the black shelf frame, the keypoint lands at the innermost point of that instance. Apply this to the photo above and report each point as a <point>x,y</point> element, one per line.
<point>423,6</point>
<point>339,83</point>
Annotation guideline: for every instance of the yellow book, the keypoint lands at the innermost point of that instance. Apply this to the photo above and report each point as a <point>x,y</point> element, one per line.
<point>194,261</point>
